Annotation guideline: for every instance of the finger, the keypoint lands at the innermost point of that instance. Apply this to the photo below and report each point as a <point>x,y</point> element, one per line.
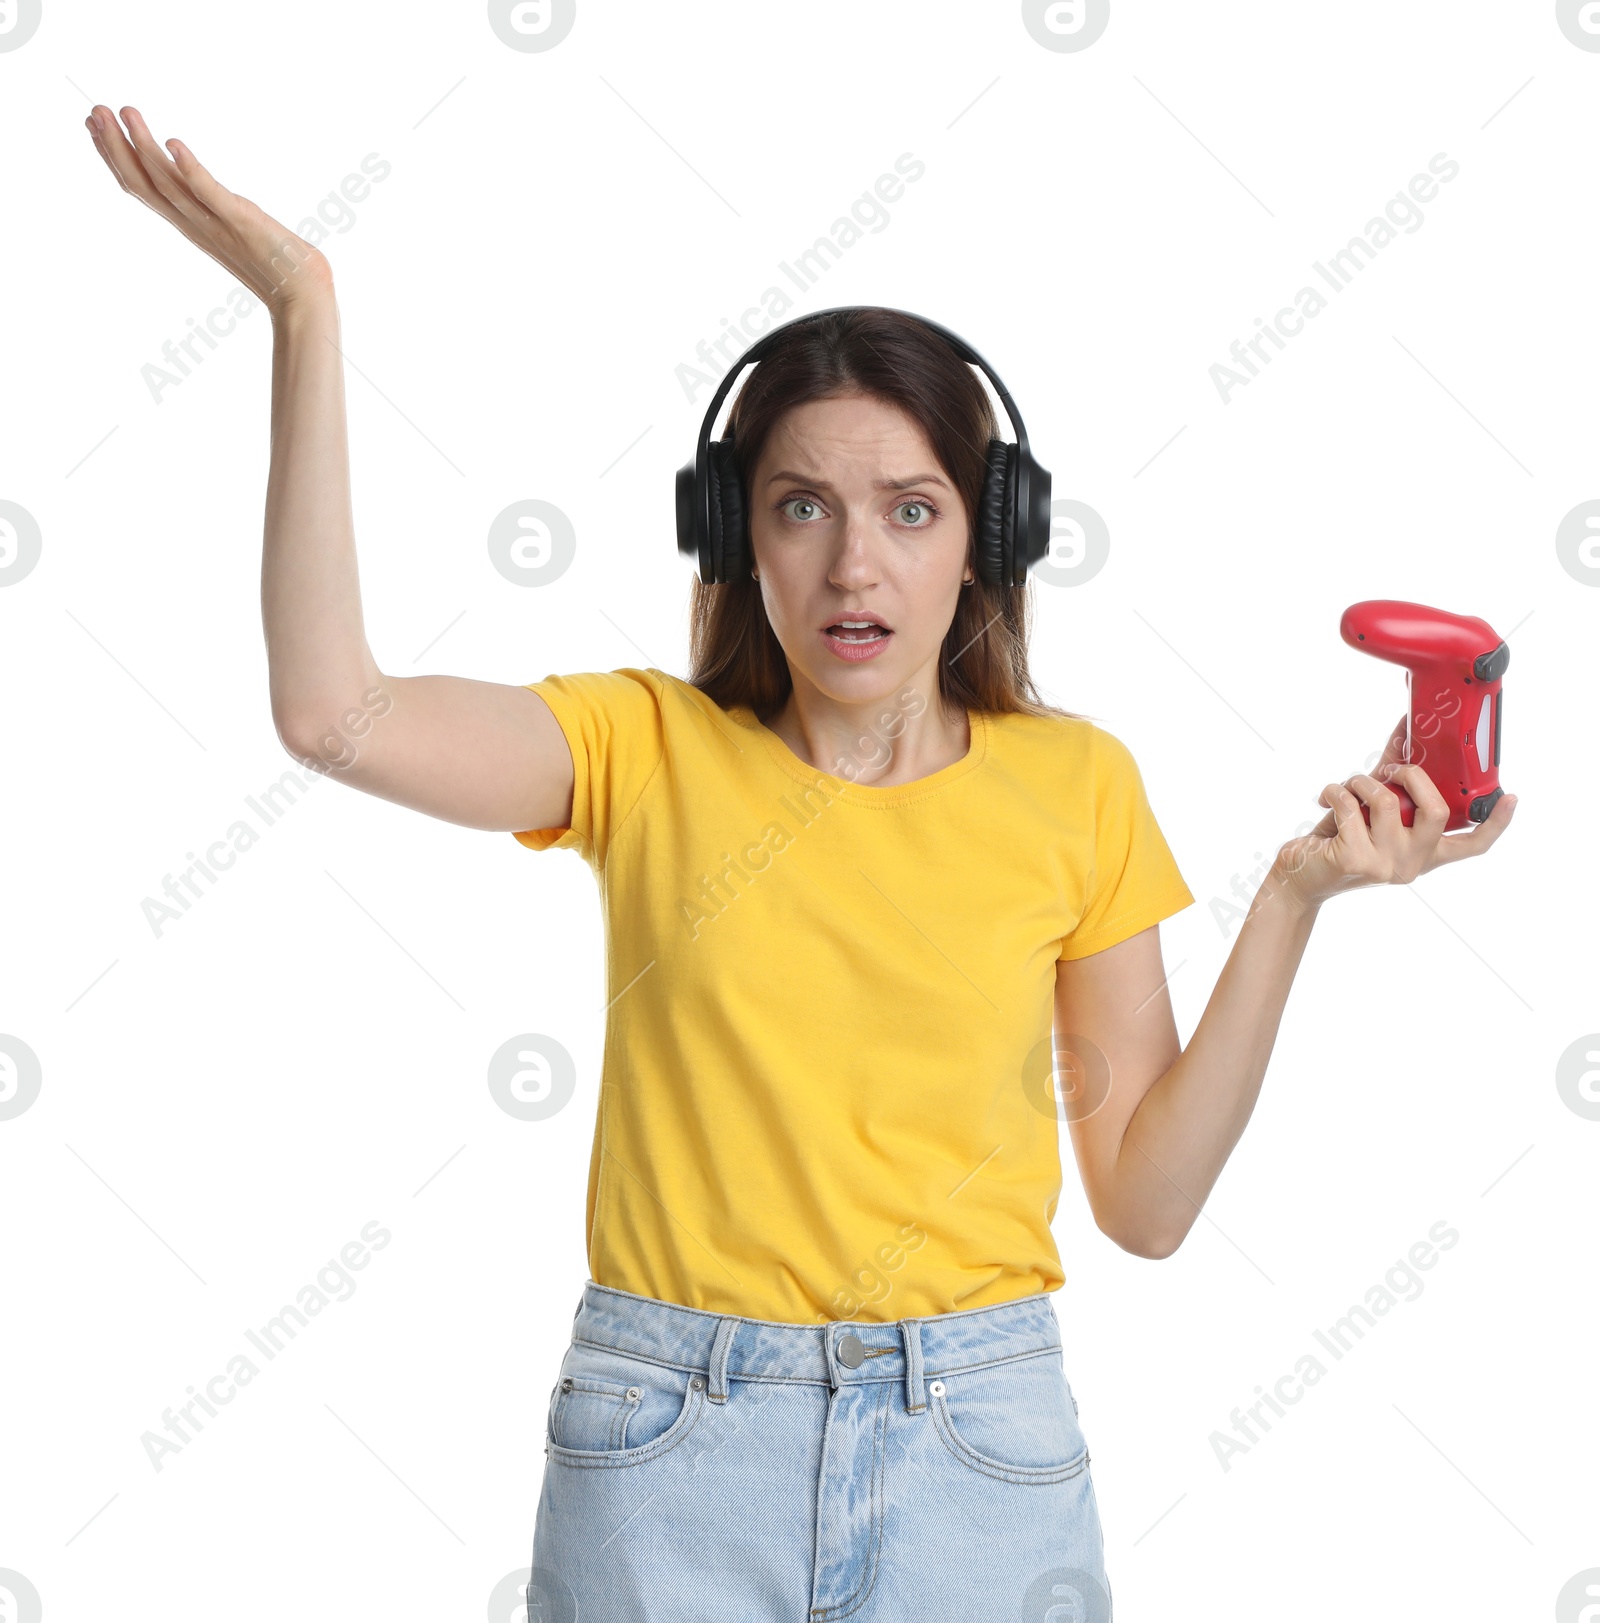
<point>124,162</point>
<point>200,181</point>
<point>119,157</point>
<point>163,172</point>
<point>1343,859</point>
<point>158,165</point>
<point>1382,806</point>
<point>1431,806</point>
<point>1472,842</point>
<point>100,147</point>
<point>1368,849</point>
<point>1344,808</point>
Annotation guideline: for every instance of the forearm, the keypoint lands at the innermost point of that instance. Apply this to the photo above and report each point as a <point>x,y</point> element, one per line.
<point>1185,1128</point>
<point>318,660</point>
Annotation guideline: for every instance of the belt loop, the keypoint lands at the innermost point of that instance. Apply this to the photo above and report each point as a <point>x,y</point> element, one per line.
<point>830,1355</point>
<point>911,1335</point>
<point>717,1374</point>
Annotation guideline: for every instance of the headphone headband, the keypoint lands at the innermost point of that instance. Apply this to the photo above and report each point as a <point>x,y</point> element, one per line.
<point>765,342</point>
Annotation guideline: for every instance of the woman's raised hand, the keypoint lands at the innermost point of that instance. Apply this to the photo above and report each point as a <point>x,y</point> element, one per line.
<point>275,264</point>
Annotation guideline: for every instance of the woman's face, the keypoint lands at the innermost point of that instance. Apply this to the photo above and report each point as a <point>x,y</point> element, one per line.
<point>850,511</point>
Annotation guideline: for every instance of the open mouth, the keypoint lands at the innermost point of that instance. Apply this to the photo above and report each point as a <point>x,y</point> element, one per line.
<point>858,631</point>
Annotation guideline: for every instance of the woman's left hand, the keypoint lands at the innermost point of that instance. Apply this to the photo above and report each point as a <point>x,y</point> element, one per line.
<point>1344,853</point>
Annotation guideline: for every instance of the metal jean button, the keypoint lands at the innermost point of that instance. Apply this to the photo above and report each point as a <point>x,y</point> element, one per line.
<point>851,1350</point>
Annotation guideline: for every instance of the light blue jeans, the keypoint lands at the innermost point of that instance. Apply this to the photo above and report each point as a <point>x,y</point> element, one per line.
<point>708,1468</point>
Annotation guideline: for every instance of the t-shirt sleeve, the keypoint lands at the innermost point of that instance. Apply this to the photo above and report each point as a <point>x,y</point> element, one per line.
<point>613,726</point>
<point>1134,880</point>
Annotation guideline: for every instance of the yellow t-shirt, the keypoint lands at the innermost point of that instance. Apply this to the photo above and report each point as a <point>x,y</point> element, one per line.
<point>826,1086</point>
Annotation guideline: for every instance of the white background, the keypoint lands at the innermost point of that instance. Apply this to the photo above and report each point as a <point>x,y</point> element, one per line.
<point>225,1105</point>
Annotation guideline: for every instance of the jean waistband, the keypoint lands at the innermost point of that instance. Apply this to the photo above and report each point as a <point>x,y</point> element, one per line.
<point>728,1346</point>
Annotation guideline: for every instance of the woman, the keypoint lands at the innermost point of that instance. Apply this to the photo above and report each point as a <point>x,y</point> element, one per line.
<point>856,874</point>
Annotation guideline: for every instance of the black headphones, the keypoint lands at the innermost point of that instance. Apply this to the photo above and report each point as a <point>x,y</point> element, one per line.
<point>1011,529</point>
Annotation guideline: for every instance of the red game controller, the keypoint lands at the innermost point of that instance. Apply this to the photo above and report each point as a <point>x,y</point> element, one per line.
<point>1453,665</point>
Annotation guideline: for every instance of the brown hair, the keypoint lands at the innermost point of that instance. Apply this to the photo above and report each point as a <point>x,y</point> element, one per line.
<point>735,656</point>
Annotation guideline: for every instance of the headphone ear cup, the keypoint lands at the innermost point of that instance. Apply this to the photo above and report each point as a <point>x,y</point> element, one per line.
<point>1008,520</point>
<point>993,543</point>
<point>729,549</point>
<point>688,543</point>
<point>1033,514</point>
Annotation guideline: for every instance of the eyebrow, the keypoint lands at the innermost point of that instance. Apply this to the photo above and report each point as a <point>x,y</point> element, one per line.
<point>877,484</point>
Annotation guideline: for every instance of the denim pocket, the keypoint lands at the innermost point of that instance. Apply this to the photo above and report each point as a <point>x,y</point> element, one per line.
<point>589,1409</point>
<point>617,1409</point>
<point>1016,1421</point>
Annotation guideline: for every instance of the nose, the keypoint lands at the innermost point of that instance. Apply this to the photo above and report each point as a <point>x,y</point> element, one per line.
<point>853,564</point>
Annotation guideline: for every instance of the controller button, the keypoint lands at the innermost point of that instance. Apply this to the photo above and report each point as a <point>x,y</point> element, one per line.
<point>1483,805</point>
<point>1491,667</point>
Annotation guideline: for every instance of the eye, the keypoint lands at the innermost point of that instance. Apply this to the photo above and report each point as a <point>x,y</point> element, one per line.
<point>920,511</point>
<point>805,502</point>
